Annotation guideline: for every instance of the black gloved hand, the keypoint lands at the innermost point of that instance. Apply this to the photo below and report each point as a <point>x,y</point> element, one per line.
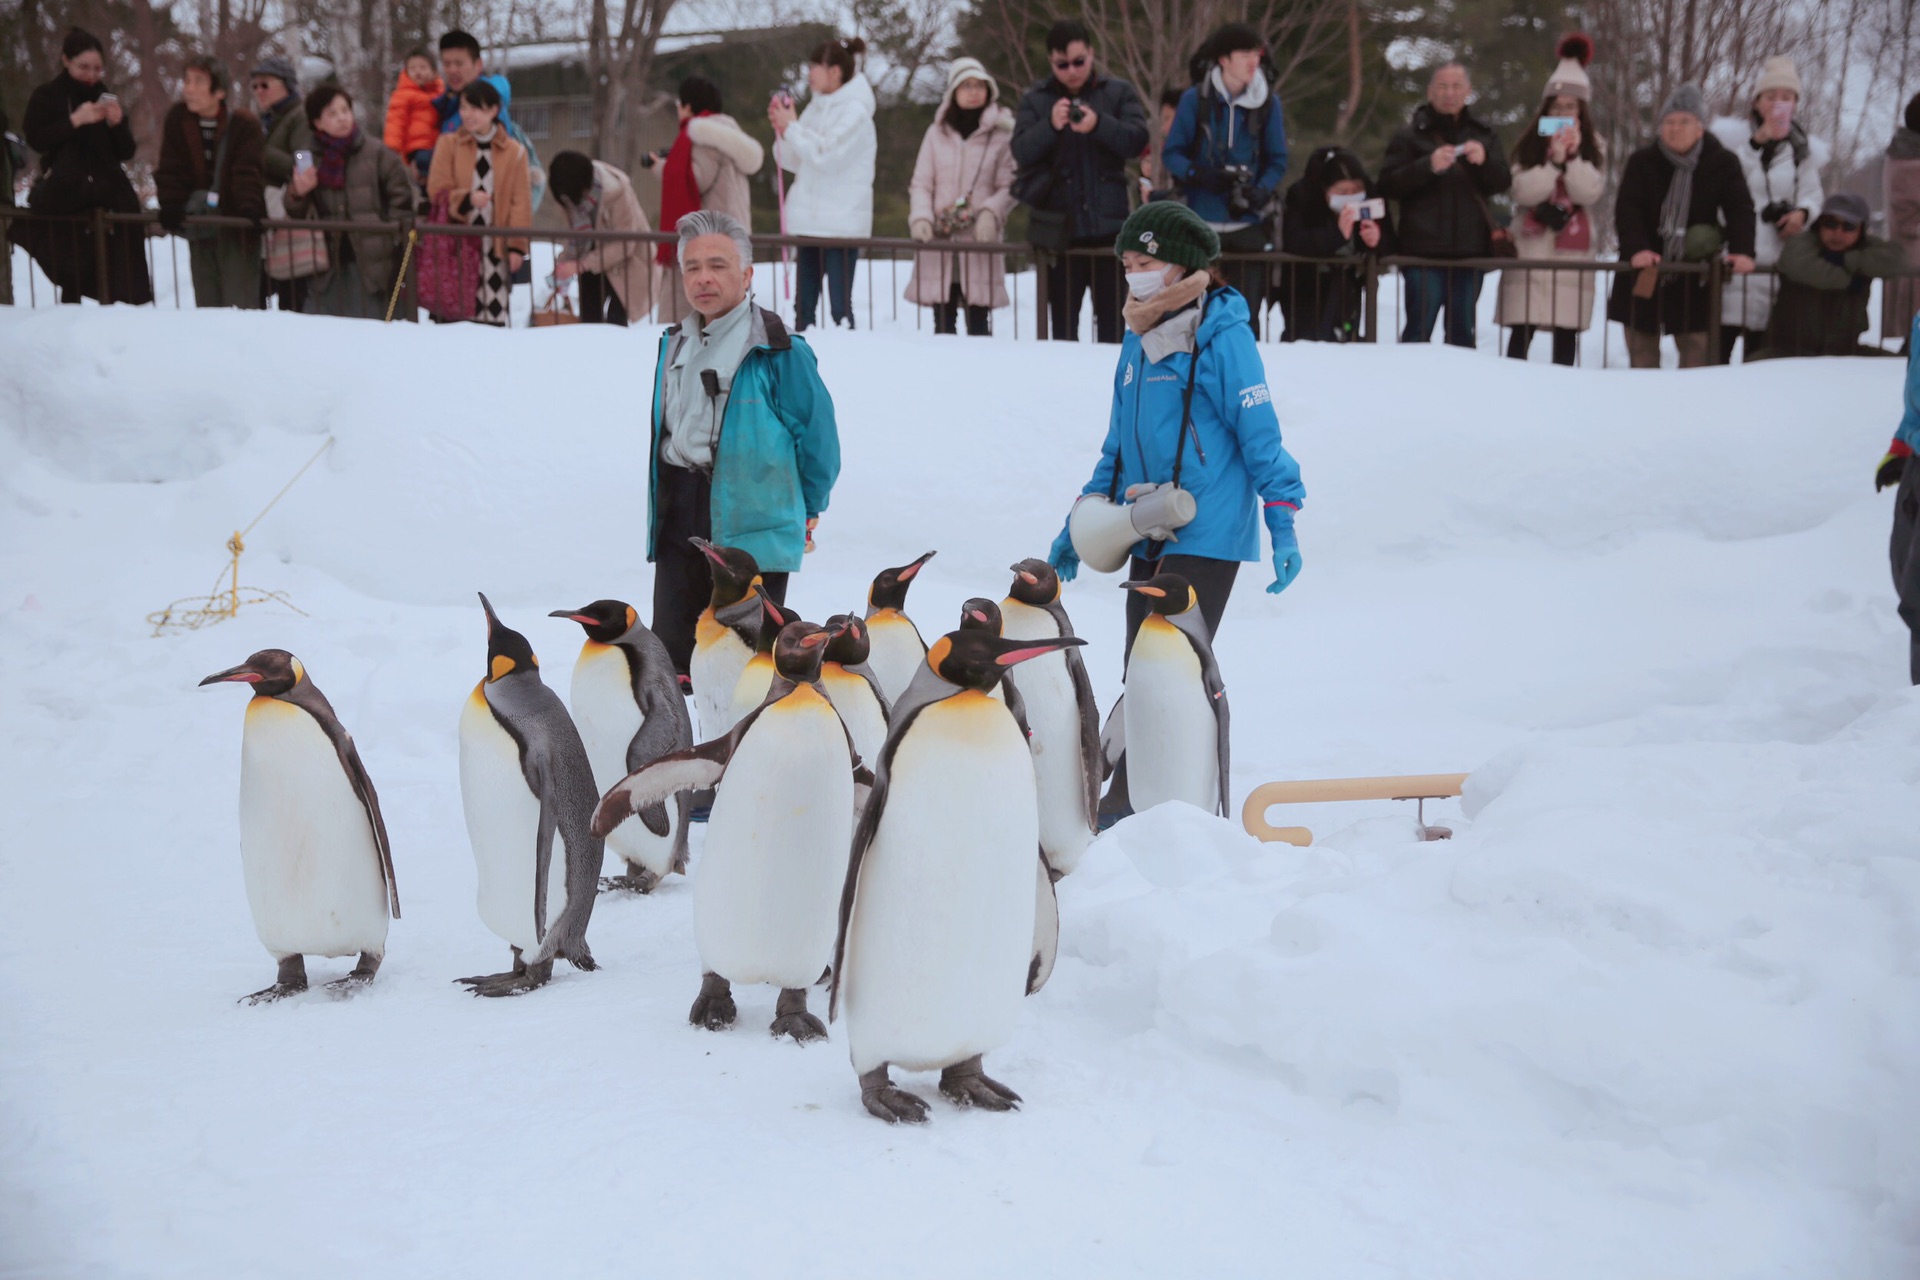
<point>1892,468</point>
<point>173,217</point>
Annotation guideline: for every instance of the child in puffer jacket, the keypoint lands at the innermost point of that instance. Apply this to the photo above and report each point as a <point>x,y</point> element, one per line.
<point>413,123</point>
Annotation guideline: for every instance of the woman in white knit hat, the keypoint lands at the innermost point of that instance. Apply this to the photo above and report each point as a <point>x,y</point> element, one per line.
<point>961,194</point>
<point>1559,172</point>
<point>1782,166</point>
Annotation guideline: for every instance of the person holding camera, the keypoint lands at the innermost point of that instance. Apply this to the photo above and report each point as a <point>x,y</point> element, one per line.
<point>211,162</point>
<point>1781,165</point>
<point>1825,278</point>
<point>1227,152</point>
<point>1443,167</point>
<point>80,130</point>
<point>1073,136</point>
<point>349,177</point>
<point>962,192</point>
<point>707,167</point>
<point>1559,171</point>
<point>1331,212</point>
<point>830,149</point>
<point>1682,199</point>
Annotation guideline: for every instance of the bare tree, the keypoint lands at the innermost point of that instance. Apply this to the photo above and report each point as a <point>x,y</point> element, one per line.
<point>620,55</point>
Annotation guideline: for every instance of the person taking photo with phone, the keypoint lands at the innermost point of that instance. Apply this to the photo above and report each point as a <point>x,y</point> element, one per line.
<point>1333,211</point>
<point>80,130</point>
<point>1559,171</point>
<point>1781,165</point>
<point>829,148</point>
<point>349,177</point>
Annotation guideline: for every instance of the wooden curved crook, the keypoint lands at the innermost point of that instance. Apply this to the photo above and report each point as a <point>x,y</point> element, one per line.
<point>1417,786</point>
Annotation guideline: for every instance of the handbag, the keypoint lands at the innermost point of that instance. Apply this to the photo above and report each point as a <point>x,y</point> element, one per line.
<point>559,310</point>
<point>208,201</point>
<point>449,267</point>
<point>292,255</point>
<point>1499,240</point>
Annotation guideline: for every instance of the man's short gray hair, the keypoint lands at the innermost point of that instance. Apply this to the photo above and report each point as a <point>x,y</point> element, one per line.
<point>711,222</point>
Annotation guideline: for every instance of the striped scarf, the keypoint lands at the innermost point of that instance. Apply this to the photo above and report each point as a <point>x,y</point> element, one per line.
<point>1674,210</point>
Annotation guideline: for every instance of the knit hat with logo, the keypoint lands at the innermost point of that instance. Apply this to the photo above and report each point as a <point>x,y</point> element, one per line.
<point>1170,232</point>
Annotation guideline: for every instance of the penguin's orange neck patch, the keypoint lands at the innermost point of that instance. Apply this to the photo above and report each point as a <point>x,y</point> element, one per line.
<point>937,656</point>
<point>502,666</point>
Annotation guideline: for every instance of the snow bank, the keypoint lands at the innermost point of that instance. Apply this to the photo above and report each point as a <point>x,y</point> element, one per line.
<point>1653,1012</point>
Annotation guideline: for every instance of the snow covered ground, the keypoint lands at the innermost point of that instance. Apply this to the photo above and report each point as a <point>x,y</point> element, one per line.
<point>1654,1012</point>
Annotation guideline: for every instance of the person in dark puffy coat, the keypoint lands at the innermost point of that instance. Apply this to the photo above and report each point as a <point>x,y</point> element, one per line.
<point>1682,198</point>
<point>207,147</point>
<point>1073,136</point>
<point>353,179</point>
<point>1443,167</point>
<point>82,135</point>
<point>1826,274</point>
<point>1327,214</point>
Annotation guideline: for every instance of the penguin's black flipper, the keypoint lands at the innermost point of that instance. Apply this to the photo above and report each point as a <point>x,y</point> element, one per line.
<point>307,696</point>
<point>1193,625</point>
<point>690,770</point>
<point>1089,705</point>
<point>1113,738</point>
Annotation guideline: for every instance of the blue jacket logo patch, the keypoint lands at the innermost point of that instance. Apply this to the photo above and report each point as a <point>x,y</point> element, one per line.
<point>1253,395</point>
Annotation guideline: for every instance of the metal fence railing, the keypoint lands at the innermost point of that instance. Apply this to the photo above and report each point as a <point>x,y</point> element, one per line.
<point>1347,299</point>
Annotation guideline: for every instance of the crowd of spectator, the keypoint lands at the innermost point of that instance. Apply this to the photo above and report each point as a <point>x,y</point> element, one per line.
<point>1745,192</point>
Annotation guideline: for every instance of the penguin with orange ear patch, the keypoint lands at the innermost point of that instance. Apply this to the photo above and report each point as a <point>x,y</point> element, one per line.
<point>936,945</point>
<point>897,649</point>
<point>720,650</point>
<point>1062,714</point>
<point>629,710</point>
<point>525,780</point>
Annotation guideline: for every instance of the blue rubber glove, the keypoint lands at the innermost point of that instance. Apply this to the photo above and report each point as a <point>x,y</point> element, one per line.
<point>1286,548</point>
<point>1064,559</point>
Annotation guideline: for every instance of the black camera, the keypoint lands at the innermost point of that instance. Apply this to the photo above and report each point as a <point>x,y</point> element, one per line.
<point>1076,113</point>
<point>1242,198</point>
<point>1776,211</point>
<point>1551,215</point>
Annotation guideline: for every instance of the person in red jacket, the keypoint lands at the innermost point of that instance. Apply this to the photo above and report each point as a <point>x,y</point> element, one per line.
<point>413,122</point>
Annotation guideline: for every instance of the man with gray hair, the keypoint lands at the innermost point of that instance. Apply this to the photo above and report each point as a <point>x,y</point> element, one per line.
<point>744,448</point>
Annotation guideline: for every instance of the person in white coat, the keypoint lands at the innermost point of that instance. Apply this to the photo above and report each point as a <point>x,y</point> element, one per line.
<point>829,148</point>
<point>1782,167</point>
<point>962,192</point>
<point>1559,174</point>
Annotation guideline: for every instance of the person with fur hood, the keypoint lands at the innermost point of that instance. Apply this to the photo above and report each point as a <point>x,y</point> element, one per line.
<point>962,191</point>
<point>707,167</point>
<point>1782,167</point>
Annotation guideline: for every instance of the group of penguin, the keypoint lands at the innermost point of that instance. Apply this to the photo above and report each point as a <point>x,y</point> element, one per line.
<point>885,817</point>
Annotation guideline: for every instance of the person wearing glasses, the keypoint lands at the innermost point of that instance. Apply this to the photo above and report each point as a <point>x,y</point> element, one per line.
<point>1073,136</point>
<point>1826,277</point>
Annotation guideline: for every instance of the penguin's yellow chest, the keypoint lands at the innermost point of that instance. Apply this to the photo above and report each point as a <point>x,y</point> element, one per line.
<point>708,632</point>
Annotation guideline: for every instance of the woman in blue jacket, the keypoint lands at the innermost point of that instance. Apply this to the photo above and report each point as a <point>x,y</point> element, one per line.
<point>1191,406</point>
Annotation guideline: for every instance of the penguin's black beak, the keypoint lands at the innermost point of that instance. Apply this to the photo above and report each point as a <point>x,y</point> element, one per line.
<point>574,615</point>
<point>1143,588</point>
<point>906,574</point>
<point>1024,576</point>
<point>242,674</point>
<point>493,619</point>
<point>1024,652</point>
<point>814,639</point>
<point>707,549</point>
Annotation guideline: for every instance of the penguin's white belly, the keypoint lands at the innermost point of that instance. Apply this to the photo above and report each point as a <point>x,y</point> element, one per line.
<point>766,892</point>
<point>608,717</point>
<point>942,933</point>
<point>1173,742</point>
<point>719,656</point>
<point>750,690</point>
<point>1053,714</point>
<point>306,843</point>
<point>896,652</point>
<point>853,698</point>
<point>503,825</point>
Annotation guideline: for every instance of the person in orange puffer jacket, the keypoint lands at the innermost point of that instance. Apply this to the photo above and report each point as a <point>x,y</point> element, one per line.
<point>413,123</point>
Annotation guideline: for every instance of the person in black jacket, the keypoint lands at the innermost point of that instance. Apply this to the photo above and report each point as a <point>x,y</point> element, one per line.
<point>1327,213</point>
<point>1442,167</point>
<point>208,150</point>
<point>1683,198</point>
<point>6,204</point>
<point>81,133</point>
<point>1072,138</point>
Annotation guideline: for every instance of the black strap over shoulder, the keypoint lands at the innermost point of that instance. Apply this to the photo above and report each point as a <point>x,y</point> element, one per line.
<point>1186,427</point>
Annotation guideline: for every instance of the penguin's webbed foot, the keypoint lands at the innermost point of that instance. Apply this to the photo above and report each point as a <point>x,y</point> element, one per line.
<point>290,980</point>
<point>713,1008</point>
<point>363,972</point>
<point>525,978</point>
<point>637,880</point>
<point>967,1085</point>
<point>887,1100</point>
<point>792,1019</point>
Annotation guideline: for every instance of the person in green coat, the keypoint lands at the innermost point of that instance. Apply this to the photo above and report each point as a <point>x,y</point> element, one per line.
<point>744,449</point>
<point>352,178</point>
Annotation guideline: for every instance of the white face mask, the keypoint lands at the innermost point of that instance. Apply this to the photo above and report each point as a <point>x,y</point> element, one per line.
<point>1337,203</point>
<point>1144,284</point>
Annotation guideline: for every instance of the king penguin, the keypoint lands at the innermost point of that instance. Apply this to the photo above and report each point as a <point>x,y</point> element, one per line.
<point>313,846</point>
<point>1062,715</point>
<point>720,652</point>
<point>851,686</point>
<point>628,707</point>
<point>1173,716</point>
<point>775,860</point>
<point>898,652</point>
<point>525,777</point>
<point>935,949</point>
<point>750,690</point>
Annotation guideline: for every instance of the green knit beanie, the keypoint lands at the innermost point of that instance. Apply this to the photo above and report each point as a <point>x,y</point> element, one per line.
<point>1170,232</point>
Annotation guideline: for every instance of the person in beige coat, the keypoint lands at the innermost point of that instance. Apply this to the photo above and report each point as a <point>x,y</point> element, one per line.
<point>1559,174</point>
<point>497,194</point>
<point>714,157</point>
<point>962,192</point>
<point>616,276</point>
